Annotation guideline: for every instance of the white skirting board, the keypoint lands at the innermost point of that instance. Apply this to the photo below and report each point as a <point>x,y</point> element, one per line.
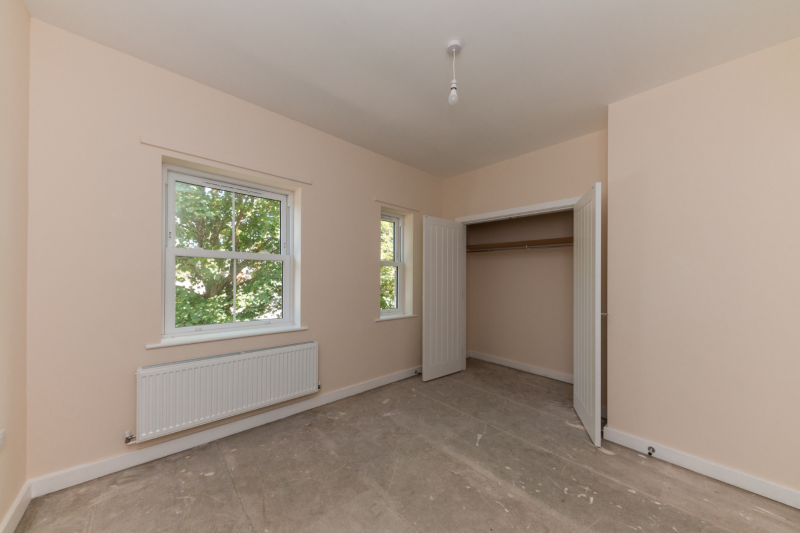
<point>14,515</point>
<point>701,466</point>
<point>83,473</point>
<point>552,374</point>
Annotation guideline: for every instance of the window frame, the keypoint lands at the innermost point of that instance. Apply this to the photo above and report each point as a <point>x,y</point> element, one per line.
<point>171,174</point>
<point>398,262</point>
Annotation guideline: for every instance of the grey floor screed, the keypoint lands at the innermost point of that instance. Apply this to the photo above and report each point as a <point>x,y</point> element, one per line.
<point>490,449</point>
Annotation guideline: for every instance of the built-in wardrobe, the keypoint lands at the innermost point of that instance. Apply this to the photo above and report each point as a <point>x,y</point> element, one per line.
<point>519,287</point>
<point>520,292</point>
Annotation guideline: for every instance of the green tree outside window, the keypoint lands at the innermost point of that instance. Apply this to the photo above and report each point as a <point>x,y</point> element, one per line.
<point>218,291</point>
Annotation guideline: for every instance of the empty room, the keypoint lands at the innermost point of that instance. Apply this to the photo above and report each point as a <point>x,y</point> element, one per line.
<point>414,267</point>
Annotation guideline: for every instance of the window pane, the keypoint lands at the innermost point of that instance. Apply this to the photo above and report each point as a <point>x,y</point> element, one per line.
<point>259,290</point>
<point>388,287</point>
<point>258,224</point>
<point>203,217</point>
<point>203,291</point>
<point>387,241</point>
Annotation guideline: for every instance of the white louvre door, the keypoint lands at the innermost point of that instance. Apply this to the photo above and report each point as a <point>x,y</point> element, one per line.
<point>586,327</point>
<point>444,317</point>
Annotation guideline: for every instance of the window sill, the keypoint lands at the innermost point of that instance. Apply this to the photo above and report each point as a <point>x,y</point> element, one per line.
<point>219,336</point>
<point>393,317</point>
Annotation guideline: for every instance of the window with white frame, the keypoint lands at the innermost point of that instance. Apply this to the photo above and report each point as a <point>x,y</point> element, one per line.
<point>391,264</point>
<point>227,260</point>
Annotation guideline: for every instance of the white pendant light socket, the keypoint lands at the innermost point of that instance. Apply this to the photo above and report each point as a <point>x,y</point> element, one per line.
<point>453,46</point>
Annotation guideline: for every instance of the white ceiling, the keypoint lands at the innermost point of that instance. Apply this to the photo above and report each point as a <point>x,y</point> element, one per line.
<point>531,73</point>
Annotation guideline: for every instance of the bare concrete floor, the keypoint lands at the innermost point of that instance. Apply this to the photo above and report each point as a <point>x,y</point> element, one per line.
<point>489,449</point>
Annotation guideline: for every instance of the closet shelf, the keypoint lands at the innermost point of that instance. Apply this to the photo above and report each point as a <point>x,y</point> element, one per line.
<point>520,245</point>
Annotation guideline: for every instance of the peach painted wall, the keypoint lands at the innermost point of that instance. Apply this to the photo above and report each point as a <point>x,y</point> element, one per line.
<point>529,292</point>
<point>95,237</point>
<point>704,256</point>
<point>14,63</point>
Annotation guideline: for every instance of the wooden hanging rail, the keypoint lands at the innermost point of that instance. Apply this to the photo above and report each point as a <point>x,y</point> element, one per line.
<point>520,245</point>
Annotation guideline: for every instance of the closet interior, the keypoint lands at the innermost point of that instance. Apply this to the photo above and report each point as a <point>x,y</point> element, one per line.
<point>519,291</point>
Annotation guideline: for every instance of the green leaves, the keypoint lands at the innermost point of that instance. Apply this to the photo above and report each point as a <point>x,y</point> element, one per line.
<point>203,291</point>
<point>203,217</point>
<point>387,240</point>
<point>207,290</point>
<point>258,224</point>
<point>259,290</point>
<point>191,309</point>
<point>388,273</point>
<point>388,287</point>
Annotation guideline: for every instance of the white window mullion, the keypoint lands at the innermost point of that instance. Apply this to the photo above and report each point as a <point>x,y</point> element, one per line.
<point>284,215</point>
<point>288,289</point>
<point>233,248</point>
<point>398,242</point>
<point>171,237</point>
<point>233,265</point>
<point>222,254</point>
<point>169,290</point>
<point>233,222</point>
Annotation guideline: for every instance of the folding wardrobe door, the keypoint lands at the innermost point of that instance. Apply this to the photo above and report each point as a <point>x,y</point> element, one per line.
<point>586,329</point>
<point>444,308</point>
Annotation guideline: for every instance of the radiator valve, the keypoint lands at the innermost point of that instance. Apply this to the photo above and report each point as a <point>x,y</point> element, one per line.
<point>129,439</point>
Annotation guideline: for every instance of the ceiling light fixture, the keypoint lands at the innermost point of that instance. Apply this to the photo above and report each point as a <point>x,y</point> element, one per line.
<point>453,47</point>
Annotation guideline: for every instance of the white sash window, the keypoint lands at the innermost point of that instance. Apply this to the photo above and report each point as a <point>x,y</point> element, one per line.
<point>228,258</point>
<point>391,264</point>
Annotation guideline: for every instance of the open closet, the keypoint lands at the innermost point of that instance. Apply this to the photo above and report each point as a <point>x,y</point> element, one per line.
<point>521,285</point>
<point>519,293</point>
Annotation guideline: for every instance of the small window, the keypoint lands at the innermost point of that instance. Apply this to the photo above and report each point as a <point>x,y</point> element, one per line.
<point>391,264</point>
<point>228,261</point>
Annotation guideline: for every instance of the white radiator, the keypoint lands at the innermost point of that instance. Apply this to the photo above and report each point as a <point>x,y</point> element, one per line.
<point>171,397</point>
